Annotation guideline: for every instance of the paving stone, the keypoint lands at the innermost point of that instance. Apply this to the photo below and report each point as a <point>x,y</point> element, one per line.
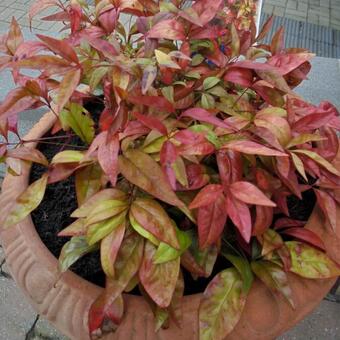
<point>279,11</point>
<point>292,4</point>
<point>268,8</point>
<point>294,14</point>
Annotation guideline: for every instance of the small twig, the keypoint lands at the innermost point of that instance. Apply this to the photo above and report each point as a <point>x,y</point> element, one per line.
<point>240,96</point>
<point>30,334</point>
<point>2,272</point>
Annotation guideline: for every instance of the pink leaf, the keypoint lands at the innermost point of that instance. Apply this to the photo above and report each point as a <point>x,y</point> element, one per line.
<point>151,122</point>
<point>207,196</point>
<point>239,213</point>
<point>204,116</point>
<point>305,235</point>
<point>211,219</point>
<point>328,206</point>
<point>108,157</point>
<point>252,148</point>
<point>171,29</point>
<point>249,193</point>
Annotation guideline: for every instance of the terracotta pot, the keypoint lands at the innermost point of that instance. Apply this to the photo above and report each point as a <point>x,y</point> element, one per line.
<point>65,300</point>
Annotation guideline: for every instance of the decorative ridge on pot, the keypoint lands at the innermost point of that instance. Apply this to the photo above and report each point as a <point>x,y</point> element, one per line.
<point>195,168</point>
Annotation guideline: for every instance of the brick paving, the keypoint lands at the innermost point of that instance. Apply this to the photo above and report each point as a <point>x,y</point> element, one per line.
<point>19,9</point>
<point>319,12</point>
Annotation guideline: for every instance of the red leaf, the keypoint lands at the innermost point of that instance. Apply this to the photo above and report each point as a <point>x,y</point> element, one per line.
<point>159,280</point>
<point>103,46</point>
<point>211,220</point>
<point>151,122</point>
<point>49,63</point>
<point>17,100</point>
<point>67,86</point>
<point>277,42</point>
<point>249,193</point>
<point>108,157</point>
<point>204,116</point>
<point>252,148</point>
<point>157,102</point>
<point>207,196</point>
<point>168,156</point>
<point>105,311</point>
<point>240,215</point>
<point>252,65</point>
<point>289,61</point>
<point>263,220</point>
<point>240,76</point>
<point>230,166</point>
<point>171,29</point>
<point>15,38</point>
<point>197,177</point>
<point>265,28</point>
<point>288,222</point>
<point>305,235</point>
<point>312,121</point>
<point>60,47</point>
<point>328,206</point>
<point>206,10</point>
<point>39,5</point>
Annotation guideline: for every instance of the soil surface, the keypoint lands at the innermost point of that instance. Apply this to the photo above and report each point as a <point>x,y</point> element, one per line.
<point>53,215</point>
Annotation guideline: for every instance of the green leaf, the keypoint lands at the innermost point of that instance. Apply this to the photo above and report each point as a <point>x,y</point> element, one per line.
<point>235,41</point>
<point>109,248</point>
<point>304,138</point>
<point>73,250</point>
<point>207,101</point>
<point>273,276</point>
<point>153,218</point>
<point>271,241</point>
<point>310,262</point>
<point>103,195</point>
<point>96,76</point>
<point>197,59</point>
<point>141,231</point>
<point>299,165</point>
<point>210,135</point>
<point>243,267</point>
<point>218,91</point>
<point>210,82</point>
<point>167,253</point>
<point>318,159</point>
<point>168,93</point>
<point>80,123</point>
<point>68,156</point>
<point>98,231</point>
<point>27,202</point>
<point>221,306</point>
<point>193,75</point>
<point>165,60</point>
<point>104,210</point>
<point>88,182</point>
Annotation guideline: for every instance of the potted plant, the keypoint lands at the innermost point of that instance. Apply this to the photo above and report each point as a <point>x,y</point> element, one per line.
<point>191,164</point>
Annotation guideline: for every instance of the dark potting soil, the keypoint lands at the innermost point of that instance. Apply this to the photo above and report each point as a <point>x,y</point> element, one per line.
<point>53,215</point>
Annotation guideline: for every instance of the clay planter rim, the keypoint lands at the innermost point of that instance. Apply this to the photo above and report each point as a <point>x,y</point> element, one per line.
<point>65,300</point>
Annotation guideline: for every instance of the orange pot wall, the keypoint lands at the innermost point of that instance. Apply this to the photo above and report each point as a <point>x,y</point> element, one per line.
<point>65,301</point>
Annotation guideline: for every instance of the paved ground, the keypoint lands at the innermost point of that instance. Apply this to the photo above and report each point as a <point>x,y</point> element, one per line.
<point>19,9</point>
<point>319,12</point>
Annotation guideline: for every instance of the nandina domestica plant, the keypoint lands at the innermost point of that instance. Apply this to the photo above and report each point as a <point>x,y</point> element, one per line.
<point>191,165</point>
